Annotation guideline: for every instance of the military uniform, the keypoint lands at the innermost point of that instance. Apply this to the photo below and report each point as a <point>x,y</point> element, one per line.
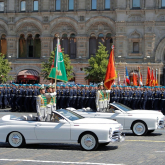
<point>41,103</point>
<point>100,101</point>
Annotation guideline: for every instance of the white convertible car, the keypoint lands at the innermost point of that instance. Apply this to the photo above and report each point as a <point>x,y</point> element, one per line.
<point>140,122</point>
<point>65,127</point>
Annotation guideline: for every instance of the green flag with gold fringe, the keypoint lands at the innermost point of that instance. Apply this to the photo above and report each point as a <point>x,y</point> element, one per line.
<point>58,70</point>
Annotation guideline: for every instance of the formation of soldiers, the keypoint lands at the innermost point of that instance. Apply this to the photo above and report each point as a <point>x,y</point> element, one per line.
<point>136,97</point>
<point>23,98</point>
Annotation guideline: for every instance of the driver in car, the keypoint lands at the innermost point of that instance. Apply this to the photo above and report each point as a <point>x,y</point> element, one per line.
<point>112,109</point>
<point>55,118</point>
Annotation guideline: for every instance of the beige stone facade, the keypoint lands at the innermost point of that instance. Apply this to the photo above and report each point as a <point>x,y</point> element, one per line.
<point>144,26</point>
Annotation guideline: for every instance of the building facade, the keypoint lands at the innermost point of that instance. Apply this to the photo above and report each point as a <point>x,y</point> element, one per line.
<point>29,30</point>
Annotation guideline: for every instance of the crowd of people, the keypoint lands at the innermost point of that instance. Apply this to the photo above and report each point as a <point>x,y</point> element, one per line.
<point>23,97</point>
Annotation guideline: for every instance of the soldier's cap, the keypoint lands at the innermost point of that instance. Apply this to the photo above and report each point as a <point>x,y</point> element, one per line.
<point>87,85</point>
<point>41,87</point>
<point>48,86</point>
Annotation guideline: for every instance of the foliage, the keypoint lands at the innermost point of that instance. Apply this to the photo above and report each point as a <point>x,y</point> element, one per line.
<point>46,66</point>
<point>97,65</point>
<point>4,69</point>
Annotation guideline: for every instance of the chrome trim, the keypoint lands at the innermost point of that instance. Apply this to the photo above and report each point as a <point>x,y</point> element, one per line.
<point>161,124</point>
<point>117,137</point>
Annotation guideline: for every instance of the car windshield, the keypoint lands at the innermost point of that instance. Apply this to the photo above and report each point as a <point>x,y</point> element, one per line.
<point>123,107</point>
<point>69,114</point>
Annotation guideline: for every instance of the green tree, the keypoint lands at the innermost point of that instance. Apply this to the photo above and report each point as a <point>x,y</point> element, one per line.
<point>46,66</point>
<point>4,69</point>
<point>97,65</point>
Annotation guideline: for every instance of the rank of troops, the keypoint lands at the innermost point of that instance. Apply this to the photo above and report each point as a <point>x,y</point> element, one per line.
<point>24,98</point>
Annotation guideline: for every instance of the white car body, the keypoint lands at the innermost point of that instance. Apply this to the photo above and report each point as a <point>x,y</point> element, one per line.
<point>152,119</point>
<point>64,131</point>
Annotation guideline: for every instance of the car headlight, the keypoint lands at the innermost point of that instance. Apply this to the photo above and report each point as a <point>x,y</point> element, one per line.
<point>119,128</point>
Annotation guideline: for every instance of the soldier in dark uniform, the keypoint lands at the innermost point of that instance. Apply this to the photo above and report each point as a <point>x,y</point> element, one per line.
<point>26,98</point>
<point>13,97</point>
<point>30,92</point>
<point>86,99</point>
<point>162,104</point>
<point>112,94</point>
<point>5,96</point>
<point>62,100</point>
<point>157,96</point>
<point>124,95</point>
<point>144,98</point>
<point>67,99</point>
<point>34,96</point>
<point>69,96</point>
<point>134,98</point>
<point>20,99</point>
<point>58,97</point>
<point>82,97</point>
<point>1,95</point>
<point>78,96</point>
<point>8,96</point>
<point>74,96</point>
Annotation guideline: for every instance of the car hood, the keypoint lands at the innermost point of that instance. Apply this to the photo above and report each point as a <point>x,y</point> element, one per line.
<point>95,121</point>
<point>145,112</point>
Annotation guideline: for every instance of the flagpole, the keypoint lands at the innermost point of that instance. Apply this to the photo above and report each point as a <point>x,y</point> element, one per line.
<point>56,68</point>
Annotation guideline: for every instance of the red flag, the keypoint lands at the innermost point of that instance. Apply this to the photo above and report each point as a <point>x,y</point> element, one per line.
<point>134,80</point>
<point>156,77</point>
<point>148,81</point>
<point>152,79</point>
<point>110,73</point>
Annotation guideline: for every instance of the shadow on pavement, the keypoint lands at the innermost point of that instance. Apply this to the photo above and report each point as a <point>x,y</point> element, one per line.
<point>147,135</point>
<point>58,147</point>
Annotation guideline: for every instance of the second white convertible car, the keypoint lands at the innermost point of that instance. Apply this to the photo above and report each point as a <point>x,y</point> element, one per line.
<point>65,127</point>
<point>140,122</point>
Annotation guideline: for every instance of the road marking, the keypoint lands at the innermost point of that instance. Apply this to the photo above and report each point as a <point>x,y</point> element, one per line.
<point>159,151</point>
<point>145,141</point>
<point>59,162</point>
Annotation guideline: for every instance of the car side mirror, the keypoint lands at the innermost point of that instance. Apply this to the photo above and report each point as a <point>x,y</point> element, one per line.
<point>62,121</point>
<point>117,111</point>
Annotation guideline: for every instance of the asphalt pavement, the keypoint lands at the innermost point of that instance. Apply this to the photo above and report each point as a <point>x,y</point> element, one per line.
<point>147,150</point>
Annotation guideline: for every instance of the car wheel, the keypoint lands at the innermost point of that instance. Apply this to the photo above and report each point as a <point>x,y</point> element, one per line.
<point>89,142</point>
<point>16,140</point>
<point>103,144</point>
<point>139,128</point>
<point>150,131</point>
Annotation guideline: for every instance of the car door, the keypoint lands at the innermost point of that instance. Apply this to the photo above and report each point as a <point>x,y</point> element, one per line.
<point>119,117</point>
<point>53,131</point>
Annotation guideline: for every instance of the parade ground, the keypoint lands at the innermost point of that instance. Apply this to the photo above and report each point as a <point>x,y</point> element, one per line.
<point>148,150</point>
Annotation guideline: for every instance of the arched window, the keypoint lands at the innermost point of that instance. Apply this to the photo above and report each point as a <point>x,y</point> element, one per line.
<point>1,6</point>
<point>3,46</point>
<point>37,46</point>
<point>30,43</point>
<point>55,41</point>
<point>35,5</point>
<point>100,40</point>
<point>72,46</point>
<point>23,5</point>
<point>92,45</point>
<point>22,46</point>
<point>65,43</point>
<point>108,42</point>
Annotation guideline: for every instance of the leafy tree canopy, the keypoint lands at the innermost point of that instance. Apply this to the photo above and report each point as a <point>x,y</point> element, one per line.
<point>4,69</point>
<point>97,65</point>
